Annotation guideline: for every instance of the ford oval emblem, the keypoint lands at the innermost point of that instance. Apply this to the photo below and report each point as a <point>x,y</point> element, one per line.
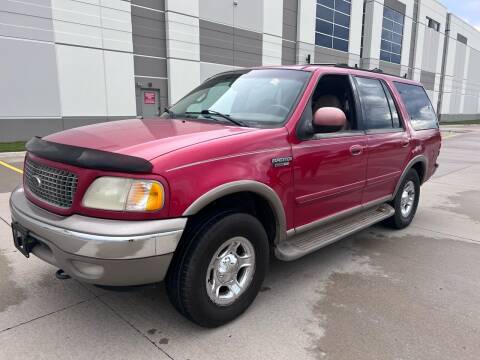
<point>38,181</point>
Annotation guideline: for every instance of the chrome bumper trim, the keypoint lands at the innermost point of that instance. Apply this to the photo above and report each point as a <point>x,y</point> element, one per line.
<point>98,238</point>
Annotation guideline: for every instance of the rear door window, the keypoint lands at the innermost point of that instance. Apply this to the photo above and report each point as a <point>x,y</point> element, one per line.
<point>378,114</point>
<point>393,109</point>
<point>419,107</point>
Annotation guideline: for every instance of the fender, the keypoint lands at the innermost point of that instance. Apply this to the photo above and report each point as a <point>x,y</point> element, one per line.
<point>417,159</point>
<point>256,187</point>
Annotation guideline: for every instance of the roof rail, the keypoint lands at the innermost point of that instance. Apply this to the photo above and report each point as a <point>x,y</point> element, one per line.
<point>356,67</point>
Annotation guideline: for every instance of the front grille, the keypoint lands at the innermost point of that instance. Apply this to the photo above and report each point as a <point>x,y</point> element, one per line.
<point>54,186</point>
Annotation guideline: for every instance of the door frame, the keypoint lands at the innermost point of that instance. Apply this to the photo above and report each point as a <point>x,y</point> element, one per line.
<point>141,103</point>
<point>402,132</point>
<point>302,141</point>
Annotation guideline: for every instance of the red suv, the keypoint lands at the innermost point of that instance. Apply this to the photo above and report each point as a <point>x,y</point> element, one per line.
<point>253,162</point>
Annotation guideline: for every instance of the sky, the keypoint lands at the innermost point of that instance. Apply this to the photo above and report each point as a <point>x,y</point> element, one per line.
<point>468,10</point>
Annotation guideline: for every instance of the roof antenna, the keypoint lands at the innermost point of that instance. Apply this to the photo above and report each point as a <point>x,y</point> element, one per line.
<point>309,57</point>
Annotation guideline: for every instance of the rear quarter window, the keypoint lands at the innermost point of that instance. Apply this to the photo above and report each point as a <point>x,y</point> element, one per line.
<point>419,107</point>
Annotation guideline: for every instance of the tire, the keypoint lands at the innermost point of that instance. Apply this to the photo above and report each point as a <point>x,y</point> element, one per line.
<point>403,216</point>
<point>202,262</point>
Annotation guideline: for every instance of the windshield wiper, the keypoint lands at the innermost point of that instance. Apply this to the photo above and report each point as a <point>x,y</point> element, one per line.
<point>225,116</point>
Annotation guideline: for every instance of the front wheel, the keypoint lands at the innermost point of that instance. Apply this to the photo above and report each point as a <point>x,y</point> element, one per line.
<point>406,201</point>
<point>221,270</point>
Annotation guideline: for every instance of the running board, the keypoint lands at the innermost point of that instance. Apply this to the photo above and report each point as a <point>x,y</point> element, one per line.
<point>299,245</point>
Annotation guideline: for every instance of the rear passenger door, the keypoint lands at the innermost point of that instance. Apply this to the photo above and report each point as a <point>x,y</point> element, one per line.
<point>388,141</point>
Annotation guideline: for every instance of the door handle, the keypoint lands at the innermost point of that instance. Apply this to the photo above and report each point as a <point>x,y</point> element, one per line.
<point>405,142</point>
<point>356,150</point>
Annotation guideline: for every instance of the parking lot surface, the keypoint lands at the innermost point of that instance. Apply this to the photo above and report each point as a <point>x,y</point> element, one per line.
<point>380,294</point>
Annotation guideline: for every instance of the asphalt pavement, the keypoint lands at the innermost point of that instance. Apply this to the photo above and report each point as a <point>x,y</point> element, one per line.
<point>380,294</point>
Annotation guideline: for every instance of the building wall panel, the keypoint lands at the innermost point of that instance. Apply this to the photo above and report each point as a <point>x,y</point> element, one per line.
<point>29,85</point>
<point>22,26</point>
<point>182,36</point>
<point>82,81</point>
<point>290,19</point>
<point>216,11</point>
<point>150,4</point>
<point>271,50</point>
<point>247,48</point>
<point>149,32</point>
<point>150,66</point>
<point>216,43</point>
<point>182,69</point>
<point>248,14</point>
<point>272,18</point>
<point>120,87</point>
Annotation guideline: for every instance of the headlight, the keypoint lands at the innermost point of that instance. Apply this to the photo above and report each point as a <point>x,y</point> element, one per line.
<point>115,193</point>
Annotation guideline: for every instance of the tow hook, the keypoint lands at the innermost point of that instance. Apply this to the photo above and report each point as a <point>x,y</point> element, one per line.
<point>61,275</point>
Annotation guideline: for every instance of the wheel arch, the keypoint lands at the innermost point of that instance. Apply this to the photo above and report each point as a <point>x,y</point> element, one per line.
<point>262,190</point>
<point>420,164</point>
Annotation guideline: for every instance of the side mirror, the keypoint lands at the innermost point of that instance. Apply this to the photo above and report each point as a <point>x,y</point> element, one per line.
<point>329,119</point>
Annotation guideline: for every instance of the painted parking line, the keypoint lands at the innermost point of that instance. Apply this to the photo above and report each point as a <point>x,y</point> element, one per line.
<point>11,167</point>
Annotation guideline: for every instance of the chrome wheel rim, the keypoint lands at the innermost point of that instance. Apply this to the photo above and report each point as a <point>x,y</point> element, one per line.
<point>230,271</point>
<point>408,199</point>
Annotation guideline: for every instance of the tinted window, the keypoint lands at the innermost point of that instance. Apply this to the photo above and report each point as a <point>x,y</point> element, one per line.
<point>340,44</point>
<point>392,34</point>
<point>332,28</point>
<point>419,107</point>
<point>374,103</point>
<point>393,109</point>
<point>343,6</point>
<point>324,27</point>
<point>340,32</point>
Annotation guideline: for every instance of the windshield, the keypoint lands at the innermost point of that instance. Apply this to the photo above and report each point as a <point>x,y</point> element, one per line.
<point>262,98</point>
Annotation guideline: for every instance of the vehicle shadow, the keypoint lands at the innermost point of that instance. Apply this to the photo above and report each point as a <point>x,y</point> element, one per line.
<point>288,290</point>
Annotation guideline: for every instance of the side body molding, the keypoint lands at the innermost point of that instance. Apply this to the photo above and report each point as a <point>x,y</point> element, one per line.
<point>417,159</point>
<point>240,186</point>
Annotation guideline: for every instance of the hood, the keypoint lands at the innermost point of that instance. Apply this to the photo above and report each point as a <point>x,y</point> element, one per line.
<point>145,138</point>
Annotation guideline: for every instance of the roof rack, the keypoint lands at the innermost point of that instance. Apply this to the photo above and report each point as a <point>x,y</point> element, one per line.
<point>356,67</point>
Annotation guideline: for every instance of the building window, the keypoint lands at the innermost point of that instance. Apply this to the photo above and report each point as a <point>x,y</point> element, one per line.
<point>392,36</point>
<point>462,39</point>
<point>435,25</point>
<point>332,26</point>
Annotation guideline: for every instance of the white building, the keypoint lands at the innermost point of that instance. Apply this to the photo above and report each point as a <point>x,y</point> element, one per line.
<point>65,63</point>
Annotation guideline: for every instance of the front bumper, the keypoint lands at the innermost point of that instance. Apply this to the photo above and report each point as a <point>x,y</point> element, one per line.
<point>100,251</point>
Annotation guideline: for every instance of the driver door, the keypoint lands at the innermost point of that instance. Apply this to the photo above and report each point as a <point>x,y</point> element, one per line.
<point>330,168</point>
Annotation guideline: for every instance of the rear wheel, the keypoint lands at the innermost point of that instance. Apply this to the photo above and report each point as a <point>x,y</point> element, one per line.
<point>220,271</point>
<point>406,201</point>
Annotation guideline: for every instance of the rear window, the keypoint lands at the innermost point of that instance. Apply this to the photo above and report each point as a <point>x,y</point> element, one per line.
<point>419,107</point>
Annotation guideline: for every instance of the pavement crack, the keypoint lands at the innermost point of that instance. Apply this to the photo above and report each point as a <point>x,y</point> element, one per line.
<point>45,315</point>
<point>5,221</point>
<point>133,327</point>
<point>456,237</point>
<point>99,298</point>
<point>452,172</point>
<point>463,185</point>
